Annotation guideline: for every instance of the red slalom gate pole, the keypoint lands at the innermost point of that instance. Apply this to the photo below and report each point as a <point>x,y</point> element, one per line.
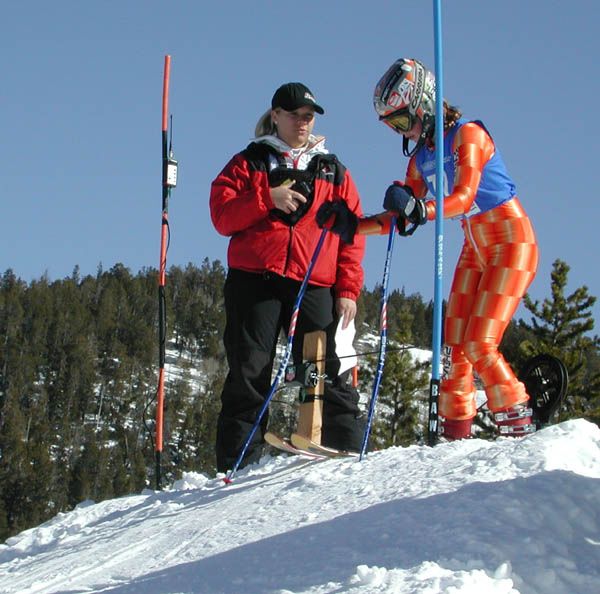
<point>169,180</point>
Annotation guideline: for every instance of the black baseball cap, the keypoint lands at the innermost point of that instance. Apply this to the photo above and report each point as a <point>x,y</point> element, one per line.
<point>293,95</point>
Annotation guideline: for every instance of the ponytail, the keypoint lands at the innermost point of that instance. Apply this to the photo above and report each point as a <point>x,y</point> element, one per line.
<point>265,125</point>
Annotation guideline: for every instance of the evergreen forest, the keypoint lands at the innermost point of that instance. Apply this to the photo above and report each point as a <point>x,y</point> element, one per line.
<point>79,368</point>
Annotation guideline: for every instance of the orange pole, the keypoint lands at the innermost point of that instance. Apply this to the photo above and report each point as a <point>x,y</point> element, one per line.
<point>162,274</point>
<point>165,105</point>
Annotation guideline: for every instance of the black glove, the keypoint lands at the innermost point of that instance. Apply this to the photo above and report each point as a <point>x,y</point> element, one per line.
<point>339,219</point>
<point>397,197</point>
<point>400,198</point>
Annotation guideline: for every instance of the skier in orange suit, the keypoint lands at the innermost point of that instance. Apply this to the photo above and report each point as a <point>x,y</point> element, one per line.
<point>499,256</point>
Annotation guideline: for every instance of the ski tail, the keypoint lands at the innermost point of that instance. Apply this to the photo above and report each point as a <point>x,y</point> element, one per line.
<point>284,444</point>
<point>306,445</point>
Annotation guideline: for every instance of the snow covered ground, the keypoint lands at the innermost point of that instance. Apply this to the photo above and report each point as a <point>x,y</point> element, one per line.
<point>478,517</point>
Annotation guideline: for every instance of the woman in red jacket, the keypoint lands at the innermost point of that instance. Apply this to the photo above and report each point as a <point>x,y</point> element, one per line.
<point>265,200</point>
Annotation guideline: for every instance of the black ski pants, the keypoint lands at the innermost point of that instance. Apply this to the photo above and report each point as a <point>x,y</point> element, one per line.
<point>258,307</point>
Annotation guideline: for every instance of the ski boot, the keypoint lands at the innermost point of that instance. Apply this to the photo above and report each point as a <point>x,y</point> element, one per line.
<point>451,429</point>
<point>515,421</point>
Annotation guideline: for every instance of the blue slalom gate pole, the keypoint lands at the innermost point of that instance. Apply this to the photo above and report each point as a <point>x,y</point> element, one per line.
<point>382,335</point>
<point>285,359</point>
<point>434,387</point>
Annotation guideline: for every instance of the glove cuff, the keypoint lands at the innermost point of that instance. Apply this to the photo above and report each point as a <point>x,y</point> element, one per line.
<point>404,186</point>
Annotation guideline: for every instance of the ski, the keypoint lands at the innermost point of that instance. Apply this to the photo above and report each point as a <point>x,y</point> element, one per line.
<point>306,445</point>
<point>310,410</point>
<point>285,445</point>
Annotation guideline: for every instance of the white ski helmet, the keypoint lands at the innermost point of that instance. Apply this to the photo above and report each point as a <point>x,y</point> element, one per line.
<point>405,92</point>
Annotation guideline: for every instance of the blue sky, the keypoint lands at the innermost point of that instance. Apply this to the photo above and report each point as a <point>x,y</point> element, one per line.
<point>81,105</point>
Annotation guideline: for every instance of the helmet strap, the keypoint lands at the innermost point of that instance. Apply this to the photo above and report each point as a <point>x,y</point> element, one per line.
<point>405,150</point>
<point>427,124</point>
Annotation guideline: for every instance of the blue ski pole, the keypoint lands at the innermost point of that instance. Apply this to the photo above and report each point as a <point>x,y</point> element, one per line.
<point>285,359</point>
<point>382,335</point>
<point>434,387</point>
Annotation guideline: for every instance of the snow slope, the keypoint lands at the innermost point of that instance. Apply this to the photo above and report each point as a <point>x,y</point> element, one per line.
<point>478,517</point>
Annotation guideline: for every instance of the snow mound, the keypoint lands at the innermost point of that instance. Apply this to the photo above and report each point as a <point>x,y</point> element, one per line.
<point>492,517</point>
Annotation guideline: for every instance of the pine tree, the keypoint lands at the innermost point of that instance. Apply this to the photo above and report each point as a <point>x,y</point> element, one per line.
<point>39,476</point>
<point>4,528</point>
<point>561,327</point>
<point>12,314</point>
<point>198,309</point>
<point>14,466</point>
<point>83,479</point>
<point>401,402</point>
<point>197,433</point>
<point>121,483</point>
<point>139,478</point>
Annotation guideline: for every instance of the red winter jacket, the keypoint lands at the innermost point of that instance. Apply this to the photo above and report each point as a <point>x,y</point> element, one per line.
<point>241,208</point>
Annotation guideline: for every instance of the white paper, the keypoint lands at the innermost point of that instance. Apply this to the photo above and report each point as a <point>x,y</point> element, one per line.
<point>344,348</point>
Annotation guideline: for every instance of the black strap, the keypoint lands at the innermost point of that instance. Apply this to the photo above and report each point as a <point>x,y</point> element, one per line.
<point>402,230</point>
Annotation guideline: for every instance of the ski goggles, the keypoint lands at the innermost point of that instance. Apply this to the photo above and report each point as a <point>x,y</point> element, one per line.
<point>400,120</point>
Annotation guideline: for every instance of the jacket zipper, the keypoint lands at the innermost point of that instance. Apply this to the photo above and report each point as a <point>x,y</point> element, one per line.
<point>288,255</point>
<point>289,251</point>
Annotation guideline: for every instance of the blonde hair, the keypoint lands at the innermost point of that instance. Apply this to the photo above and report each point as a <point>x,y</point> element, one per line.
<point>265,125</point>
